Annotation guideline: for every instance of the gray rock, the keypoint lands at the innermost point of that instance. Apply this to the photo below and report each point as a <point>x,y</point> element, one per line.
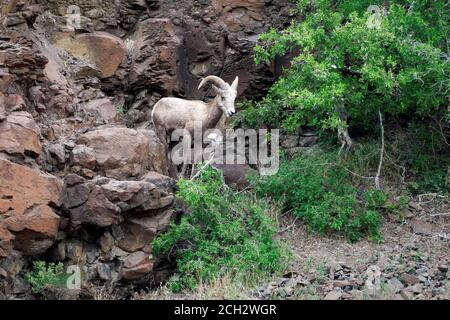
<point>58,152</point>
<point>407,295</point>
<point>289,141</point>
<point>333,295</point>
<point>397,284</point>
<point>308,141</point>
<point>104,271</point>
<point>20,285</point>
<point>417,288</point>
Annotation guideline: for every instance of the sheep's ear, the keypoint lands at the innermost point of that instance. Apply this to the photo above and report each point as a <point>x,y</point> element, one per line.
<point>235,83</point>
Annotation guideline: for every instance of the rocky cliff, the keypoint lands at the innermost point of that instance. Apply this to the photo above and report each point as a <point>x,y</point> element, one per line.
<point>82,175</point>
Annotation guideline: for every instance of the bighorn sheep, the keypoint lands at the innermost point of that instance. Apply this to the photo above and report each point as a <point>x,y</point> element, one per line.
<point>170,114</point>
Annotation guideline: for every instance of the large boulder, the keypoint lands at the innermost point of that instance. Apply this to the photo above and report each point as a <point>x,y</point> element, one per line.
<point>35,231</point>
<point>136,195</point>
<point>236,175</point>
<point>136,265</point>
<point>137,232</point>
<point>104,50</point>
<point>103,202</point>
<point>97,210</point>
<point>119,152</point>
<point>27,221</point>
<point>19,134</point>
<point>102,108</point>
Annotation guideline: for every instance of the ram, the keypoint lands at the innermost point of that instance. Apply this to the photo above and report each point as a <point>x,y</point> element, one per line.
<point>171,114</point>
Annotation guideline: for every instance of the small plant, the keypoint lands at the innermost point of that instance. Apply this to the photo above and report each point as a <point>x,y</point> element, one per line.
<point>398,206</point>
<point>320,191</point>
<point>226,233</point>
<point>120,109</point>
<point>45,275</point>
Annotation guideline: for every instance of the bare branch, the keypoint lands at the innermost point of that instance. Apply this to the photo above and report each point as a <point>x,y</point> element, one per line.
<point>377,177</point>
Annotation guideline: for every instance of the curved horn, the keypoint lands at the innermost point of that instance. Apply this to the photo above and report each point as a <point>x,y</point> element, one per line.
<point>219,82</point>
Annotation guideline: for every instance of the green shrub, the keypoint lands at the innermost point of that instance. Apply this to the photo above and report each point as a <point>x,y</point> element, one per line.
<point>427,160</point>
<point>400,68</point>
<point>45,276</point>
<point>226,233</point>
<point>318,190</point>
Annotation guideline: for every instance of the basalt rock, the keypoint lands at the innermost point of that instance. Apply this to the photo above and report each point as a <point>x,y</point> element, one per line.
<point>5,80</point>
<point>235,175</point>
<point>136,265</point>
<point>118,152</point>
<point>138,232</point>
<point>19,135</point>
<point>104,202</point>
<point>27,220</point>
<point>102,49</point>
<point>20,57</point>
<point>102,108</point>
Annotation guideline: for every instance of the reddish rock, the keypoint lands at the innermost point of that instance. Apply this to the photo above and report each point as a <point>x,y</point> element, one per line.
<point>155,55</point>
<point>235,175</point>
<point>61,104</point>
<point>102,201</point>
<point>158,160</point>
<point>137,233</point>
<point>409,279</point>
<point>103,49</point>
<point>18,54</point>
<point>35,231</point>
<point>19,134</point>
<point>163,182</point>
<point>130,195</point>
<point>25,197</point>
<point>97,211</point>
<point>5,80</point>
<point>118,152</point>
<point>102,108</point>
<point>14,102</point>
<point>18,180</point>
<point>136,265</point>
<point>236,15</point>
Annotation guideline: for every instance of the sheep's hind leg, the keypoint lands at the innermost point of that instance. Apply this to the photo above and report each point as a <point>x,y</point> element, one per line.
<point>187,151</point>
<point>173,170</point>
<point>165,140</point>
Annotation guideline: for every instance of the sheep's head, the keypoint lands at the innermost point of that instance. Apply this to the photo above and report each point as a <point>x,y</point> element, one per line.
<point>226,94</point>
